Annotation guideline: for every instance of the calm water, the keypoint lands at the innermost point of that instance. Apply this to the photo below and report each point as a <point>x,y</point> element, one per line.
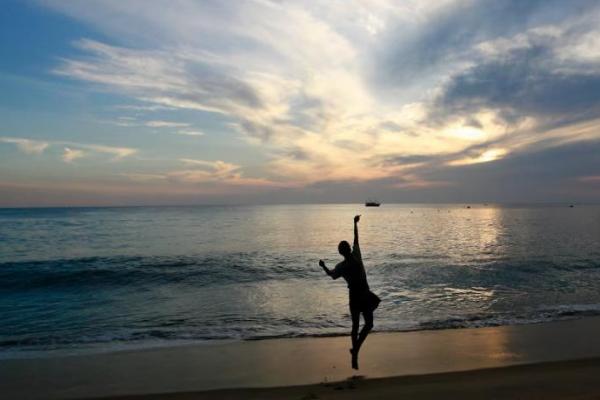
<point>101,278</point>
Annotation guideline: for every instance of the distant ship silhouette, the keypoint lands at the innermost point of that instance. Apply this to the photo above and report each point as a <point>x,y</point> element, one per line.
<point>371,203</point>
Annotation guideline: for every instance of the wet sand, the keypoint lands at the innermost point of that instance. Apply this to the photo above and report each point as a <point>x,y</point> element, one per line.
<point>415,358</point>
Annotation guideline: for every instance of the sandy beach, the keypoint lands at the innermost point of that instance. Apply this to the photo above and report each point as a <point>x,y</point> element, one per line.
<point>553,380</point>
<point>391,363</point>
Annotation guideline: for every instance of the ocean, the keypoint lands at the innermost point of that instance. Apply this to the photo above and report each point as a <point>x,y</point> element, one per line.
<point>78,280</point>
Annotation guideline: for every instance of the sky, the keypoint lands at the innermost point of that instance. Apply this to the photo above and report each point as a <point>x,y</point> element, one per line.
<point>248,102</point>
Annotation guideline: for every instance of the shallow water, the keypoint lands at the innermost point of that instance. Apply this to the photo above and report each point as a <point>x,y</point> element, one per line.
<point>100,278</point>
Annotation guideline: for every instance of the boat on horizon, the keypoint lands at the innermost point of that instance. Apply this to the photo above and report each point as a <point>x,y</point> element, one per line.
<point>372,204</point>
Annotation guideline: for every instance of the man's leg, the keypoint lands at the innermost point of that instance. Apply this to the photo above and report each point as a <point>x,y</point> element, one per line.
<point>355,324</point>
<point>368,316</point>
<point>355,313</point>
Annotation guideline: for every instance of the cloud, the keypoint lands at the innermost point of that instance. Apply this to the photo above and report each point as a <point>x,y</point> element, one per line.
<point>590,179</point>
<point>547,175</point>
<point>271,84</point>
<point>141,177</point>
<point>219,168</point>
<point>523,83</point>
<point>357,92</point>
<point>70,155</point>
<point>28,146</point>
<point>443,40</point>
<point>175,79</point>
<point>189,133</point>
<point>409,159</point>
<point>117,152</point>
<point>71,150</point>
<point>204,172</point>
<point>134,121</point>
<point>143,107</point>
<point>165,124</point>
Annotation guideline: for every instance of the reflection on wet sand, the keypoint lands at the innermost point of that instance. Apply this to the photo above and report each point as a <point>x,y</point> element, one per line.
<point>286,362</point>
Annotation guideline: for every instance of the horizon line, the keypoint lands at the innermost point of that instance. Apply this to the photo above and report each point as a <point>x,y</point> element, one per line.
<point>465,203</point>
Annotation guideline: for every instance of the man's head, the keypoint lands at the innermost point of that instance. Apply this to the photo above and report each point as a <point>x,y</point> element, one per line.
<point>344,248</point>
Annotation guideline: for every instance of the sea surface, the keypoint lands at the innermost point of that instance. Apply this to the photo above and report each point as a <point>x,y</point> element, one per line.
<point>97,279</point>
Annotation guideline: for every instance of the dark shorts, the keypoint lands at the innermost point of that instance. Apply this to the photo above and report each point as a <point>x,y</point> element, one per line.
<point>364,302</point>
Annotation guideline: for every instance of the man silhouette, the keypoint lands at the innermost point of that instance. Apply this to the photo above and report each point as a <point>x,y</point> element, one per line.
<point>362,300</point>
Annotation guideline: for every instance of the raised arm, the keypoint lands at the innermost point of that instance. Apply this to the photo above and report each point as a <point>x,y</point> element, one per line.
<point>356,219</point>
<point>355,246</point>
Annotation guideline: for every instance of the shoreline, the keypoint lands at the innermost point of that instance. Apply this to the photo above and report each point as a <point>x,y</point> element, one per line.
<point>296,362</point>
<point>94,349</point>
